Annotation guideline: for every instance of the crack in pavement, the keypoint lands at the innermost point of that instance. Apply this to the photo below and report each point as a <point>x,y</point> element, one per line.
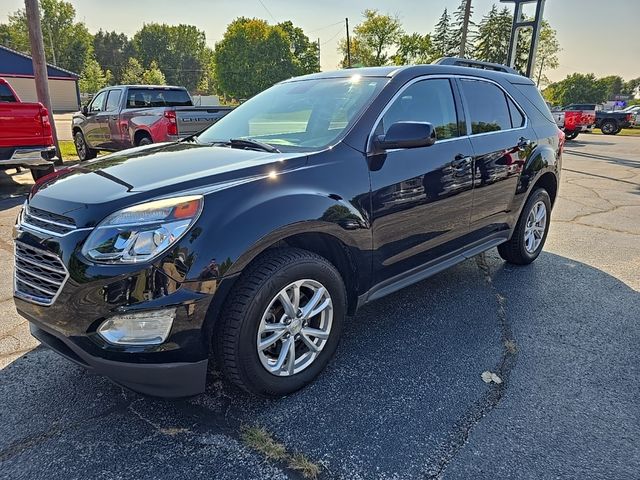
<point>608,229</point>
<point>490,400</point>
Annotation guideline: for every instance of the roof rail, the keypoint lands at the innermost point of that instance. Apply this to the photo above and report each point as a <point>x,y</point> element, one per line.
<point>467,62</point>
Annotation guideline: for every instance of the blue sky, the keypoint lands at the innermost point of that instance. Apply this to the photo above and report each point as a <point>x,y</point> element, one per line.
<point>596,36</point>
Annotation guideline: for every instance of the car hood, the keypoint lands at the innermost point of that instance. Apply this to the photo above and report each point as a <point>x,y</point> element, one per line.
<point>91,190</point>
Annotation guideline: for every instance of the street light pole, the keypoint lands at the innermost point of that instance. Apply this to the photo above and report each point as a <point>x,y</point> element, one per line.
<point>346,20</point>
<point>40,63</point>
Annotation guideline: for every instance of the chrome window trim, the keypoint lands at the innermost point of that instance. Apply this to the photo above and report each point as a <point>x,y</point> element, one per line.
<point>462,98</point>
<point>32,298</point>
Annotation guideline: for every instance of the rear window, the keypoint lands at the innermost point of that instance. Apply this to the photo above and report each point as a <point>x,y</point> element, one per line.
<point>159,97</point>
<point>6,95</point>
<point>533,95</point>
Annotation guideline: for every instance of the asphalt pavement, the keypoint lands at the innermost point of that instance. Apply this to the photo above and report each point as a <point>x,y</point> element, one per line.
<point>404,397</point>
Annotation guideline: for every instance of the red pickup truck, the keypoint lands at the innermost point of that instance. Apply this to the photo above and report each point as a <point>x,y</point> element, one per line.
<point>26,139</point>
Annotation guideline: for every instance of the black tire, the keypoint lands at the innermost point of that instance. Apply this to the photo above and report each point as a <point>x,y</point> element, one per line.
<point>37,174</point>
<point>609,127</point>
<point>144,140</point>
<point>514,250</point>
<point>82,149</point>
<point>236,333</point>
<point>571,134</point>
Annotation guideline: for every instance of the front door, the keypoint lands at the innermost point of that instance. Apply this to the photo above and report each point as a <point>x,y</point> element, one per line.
<point>113,135</point>
<point>421,197</point>
<point>93,128</point>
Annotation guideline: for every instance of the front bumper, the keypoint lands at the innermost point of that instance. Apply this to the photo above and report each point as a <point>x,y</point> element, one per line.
<point>179,379</point>
<point>31,157</point>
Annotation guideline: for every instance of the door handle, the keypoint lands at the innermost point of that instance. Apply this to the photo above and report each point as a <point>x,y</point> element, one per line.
<point>523,143</point>
<point>461,162</point>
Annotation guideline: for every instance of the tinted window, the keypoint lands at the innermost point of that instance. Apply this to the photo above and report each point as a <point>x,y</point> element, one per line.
<point>159,97</point>
<point>97,102</point>
<point>533,95</point>
<point>517,119</point>
<point>487,105</point>
<point>5,94</point>
<point>113,100</point>
<point>425,101</point>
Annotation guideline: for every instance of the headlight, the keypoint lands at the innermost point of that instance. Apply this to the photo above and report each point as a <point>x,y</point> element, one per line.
<point>142,232</point>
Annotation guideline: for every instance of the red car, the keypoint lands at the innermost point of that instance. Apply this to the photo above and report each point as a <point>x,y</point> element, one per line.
<point>26,139</point>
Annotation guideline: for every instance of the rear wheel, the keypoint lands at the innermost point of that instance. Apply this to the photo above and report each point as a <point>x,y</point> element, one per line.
<point>282,322</point>
<point>530,233</point>
<point>82,149</point>
<point>144,139</point>
<point>609,127</point>
<point>571,134</point>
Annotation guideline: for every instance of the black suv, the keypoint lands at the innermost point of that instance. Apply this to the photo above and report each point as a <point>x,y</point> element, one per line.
<point>252,242</point>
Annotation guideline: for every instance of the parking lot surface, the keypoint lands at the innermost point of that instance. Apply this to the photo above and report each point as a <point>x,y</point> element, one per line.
<point>404,397</point>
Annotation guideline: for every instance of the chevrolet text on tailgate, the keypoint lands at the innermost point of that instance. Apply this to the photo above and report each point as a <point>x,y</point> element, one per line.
<point>251,243</point>
<point>125,116</point>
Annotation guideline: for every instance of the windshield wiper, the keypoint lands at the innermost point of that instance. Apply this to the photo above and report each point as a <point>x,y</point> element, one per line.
<point>250,143</point>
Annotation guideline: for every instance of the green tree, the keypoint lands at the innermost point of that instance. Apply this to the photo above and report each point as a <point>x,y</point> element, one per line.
<point>374,39</point>
<point>415,49</point>
<point>492,40</point>
<point>441,38</point>
<point>153,75</point>
<point>207,84</point>
<point>632,87</point>
<point>132,72</point>
<point>179,50</point>
<point>576,88</point>
<point>111,50</point>
<point>547,54</point>
<point>251,57</point>
<point>306,54</point>
<point>67,43</point>
<point>457,24</point>
<point>612,85</point>
<point>92,78</point>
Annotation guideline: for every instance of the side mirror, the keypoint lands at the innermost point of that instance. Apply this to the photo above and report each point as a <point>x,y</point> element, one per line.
<point>407,135</point>
<point>85,110</point>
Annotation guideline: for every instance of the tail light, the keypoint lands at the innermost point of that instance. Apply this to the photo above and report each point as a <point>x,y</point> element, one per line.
<point>46,123</point>
<point>561,138</point>
<point>629,117</point>
<point>172,128</point>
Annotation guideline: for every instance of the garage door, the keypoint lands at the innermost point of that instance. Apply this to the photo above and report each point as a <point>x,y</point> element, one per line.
<point>63,92</point>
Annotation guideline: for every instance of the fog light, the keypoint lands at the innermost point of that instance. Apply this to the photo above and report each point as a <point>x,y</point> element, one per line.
<point>140,328</point>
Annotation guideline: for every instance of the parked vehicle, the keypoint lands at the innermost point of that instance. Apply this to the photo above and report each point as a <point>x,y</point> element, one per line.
<point>255,239</point>
<point>573,122</point>
<point>635,111</point>
<point>26,140</point>
<point>611,122</point>
<point>125,116</point>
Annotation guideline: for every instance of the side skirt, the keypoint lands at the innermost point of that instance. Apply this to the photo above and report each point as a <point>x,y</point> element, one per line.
<point>431,268</point>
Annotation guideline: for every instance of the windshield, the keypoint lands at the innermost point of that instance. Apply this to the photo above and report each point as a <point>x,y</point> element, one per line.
<point>296,116</point>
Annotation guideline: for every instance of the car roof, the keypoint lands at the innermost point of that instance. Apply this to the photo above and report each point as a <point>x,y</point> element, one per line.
<point>416,71</point>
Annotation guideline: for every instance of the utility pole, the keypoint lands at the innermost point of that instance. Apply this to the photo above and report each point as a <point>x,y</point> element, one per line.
<point>346,20</point>
<point>465,28</point>
<point>540,71</point>
<point>40,63</point>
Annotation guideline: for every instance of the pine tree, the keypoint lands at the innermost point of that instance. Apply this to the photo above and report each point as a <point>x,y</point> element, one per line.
<point>492,40</point>
<point>92,77</point>
<point>441,38</point>
<point>457,25</point>
<point>153,75</point>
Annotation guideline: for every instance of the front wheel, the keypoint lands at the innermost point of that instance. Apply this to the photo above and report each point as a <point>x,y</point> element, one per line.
<point>282,322</point>
<point>82,149</point>
<point>530,233</point>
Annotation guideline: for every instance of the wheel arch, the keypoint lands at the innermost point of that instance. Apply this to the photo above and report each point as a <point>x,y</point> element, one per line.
<point>139,134</point>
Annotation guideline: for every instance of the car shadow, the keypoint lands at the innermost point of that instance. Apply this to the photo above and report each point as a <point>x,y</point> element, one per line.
<point>402,396</point>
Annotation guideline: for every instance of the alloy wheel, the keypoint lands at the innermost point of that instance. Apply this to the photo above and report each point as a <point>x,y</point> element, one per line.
<point>535,228</point>
<point>295,327</point>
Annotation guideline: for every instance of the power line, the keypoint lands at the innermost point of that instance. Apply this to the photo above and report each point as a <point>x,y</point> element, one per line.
<point>326,26</point>
<point>269,12</point>
<point>334,36</point>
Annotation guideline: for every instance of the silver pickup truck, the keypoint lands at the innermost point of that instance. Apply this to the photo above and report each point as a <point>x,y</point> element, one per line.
<point>125,116</point>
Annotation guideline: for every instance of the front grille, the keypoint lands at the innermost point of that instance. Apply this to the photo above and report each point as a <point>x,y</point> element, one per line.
<point>47,222</point>
<point>39,276</point>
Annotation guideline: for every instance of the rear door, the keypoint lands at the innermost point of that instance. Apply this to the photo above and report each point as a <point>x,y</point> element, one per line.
<point>501,141</point>
<point>113,134</point>
<point>94,126</point>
